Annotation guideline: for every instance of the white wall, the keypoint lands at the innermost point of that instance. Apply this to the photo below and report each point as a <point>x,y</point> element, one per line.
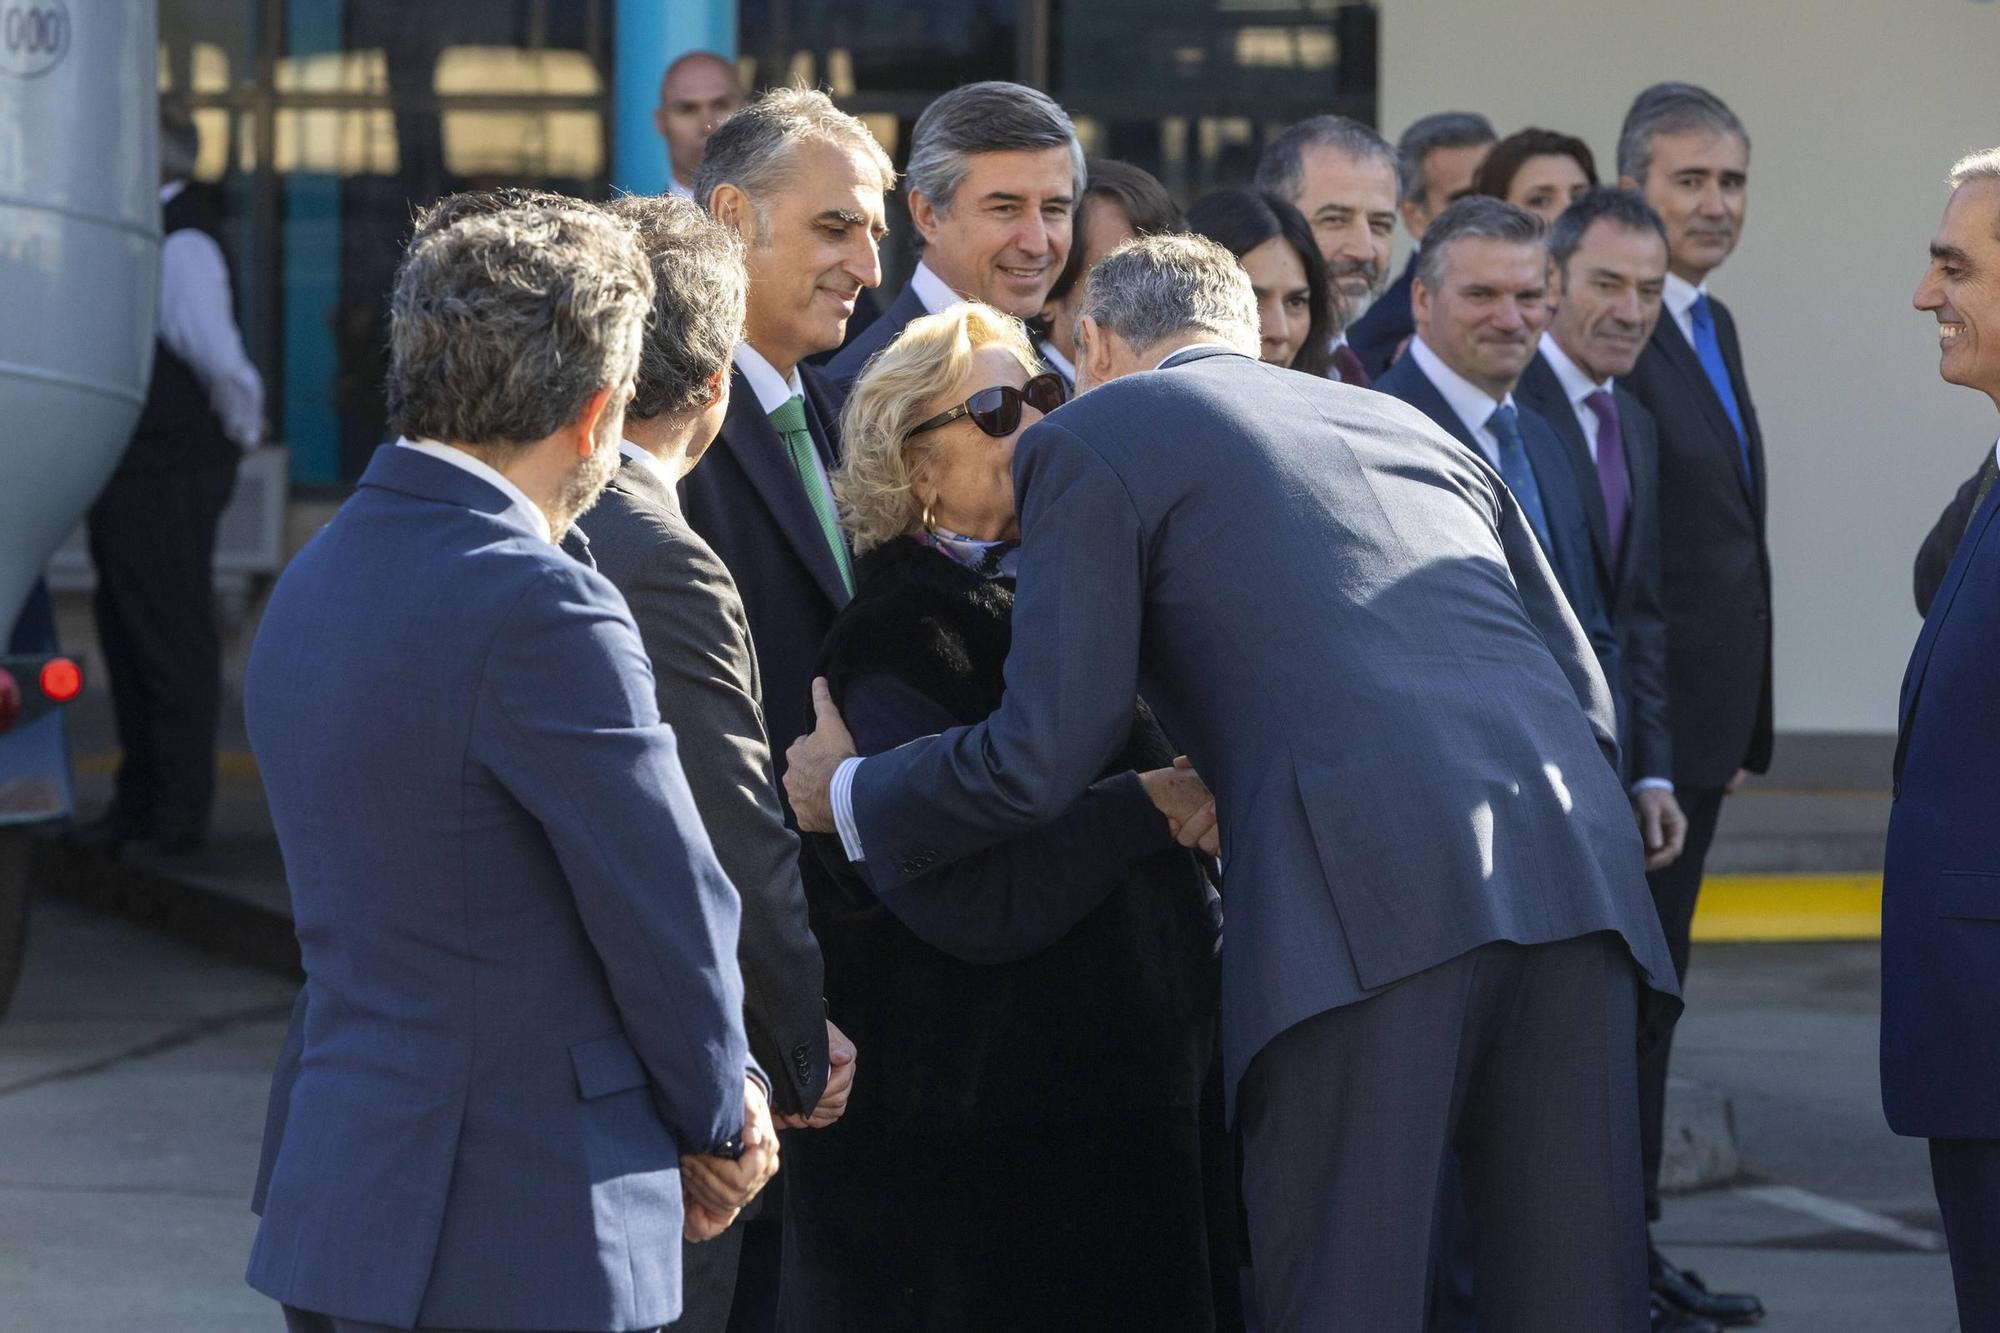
<point>1856,109</point>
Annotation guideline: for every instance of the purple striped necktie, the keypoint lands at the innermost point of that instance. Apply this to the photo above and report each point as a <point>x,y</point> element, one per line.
<point>1614,478</point>
<point>1349,365</point>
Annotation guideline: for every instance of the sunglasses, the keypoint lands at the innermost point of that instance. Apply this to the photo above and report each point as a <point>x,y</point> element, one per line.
<point>997,411</point>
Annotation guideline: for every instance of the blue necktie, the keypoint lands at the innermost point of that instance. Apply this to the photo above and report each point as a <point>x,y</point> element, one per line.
<point>1505,423</point>
<point>1709,352</point>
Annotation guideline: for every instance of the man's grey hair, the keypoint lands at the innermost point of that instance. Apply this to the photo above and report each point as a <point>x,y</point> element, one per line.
<point>1480,217</point>
<point>503,324</point>
<point>1157,287</point>
<point>1282,168</point>
<point>1446,129</point>
<point>1603,203</point>
<point>180,142</point>
<point>1980,166</point>
<point>699,292</point>
<point>753,149</point>
<point>1671,108</point>
<point>989,117</point>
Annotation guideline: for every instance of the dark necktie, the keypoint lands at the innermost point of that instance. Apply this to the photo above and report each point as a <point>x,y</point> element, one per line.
<point>1708,351</point>
<point>1505,423</point>
<point>1988,475</point>
<point>1350,367</point>
<point>1614,478</point>
<point>789,420</point>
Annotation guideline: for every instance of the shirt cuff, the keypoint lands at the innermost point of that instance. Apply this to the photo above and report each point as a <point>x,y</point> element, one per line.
<point>1652,784</point>
<point>840,794</point>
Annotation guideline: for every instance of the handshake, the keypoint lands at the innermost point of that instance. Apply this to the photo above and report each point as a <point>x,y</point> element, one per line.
<point>1178,792</point>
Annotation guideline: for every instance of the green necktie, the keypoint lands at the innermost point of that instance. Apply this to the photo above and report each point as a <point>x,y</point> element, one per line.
<point>790,423</point>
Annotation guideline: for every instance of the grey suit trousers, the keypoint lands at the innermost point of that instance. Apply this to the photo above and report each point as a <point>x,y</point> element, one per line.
<point>1523,1058</point>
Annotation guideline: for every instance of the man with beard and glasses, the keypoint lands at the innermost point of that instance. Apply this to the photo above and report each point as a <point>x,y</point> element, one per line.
<point>1688,154</point>
<point>994,177</point>
<point>522,1017</point>
<point>1344,177</point>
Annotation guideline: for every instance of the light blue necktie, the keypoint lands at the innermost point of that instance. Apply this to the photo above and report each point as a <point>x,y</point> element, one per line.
<point>1709,352</point>
<point>1505,423</point>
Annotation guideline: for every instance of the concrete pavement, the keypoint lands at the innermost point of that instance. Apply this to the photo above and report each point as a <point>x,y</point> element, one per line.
<point>133,1074</point>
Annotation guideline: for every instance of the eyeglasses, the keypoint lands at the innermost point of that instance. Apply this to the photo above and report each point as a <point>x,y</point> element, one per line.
<point>997,411</point>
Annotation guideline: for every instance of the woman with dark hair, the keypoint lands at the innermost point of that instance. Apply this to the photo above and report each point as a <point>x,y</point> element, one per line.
<point>1272,242</point>
<point>1025,1147</point>
<point>1539,170</point>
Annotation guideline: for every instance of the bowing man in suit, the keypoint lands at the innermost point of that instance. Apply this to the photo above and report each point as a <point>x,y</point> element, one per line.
<point>691,620</point>
<point>1437,158</point>
<point>1688,154</point>
<point>1119,202</point>
<point>1610,259</point>
<point>802,183</point>
<point>994,177</point>
<point>1941,875</point>
<point>1481,301</point>
<point>522,1072</point>
<point>1387,892</point>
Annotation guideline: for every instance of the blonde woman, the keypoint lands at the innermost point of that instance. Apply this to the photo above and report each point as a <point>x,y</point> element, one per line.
<point>1025,1149</point>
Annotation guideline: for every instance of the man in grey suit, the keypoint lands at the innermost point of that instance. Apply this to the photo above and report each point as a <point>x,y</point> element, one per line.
<point>697,637</point>
<point>1438,931</point>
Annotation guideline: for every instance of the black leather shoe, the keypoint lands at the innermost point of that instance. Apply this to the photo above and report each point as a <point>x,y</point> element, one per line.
<point>1670,1318</point>
<point>1685,1291</point>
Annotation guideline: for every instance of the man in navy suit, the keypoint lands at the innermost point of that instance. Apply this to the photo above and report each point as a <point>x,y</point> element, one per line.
<point>994,178</point>
<point>1941,875</point>
<point>1610,260</point>
<point>1437,159</point>
<point>521,1074</point>
<point>1481,300</point>
<point>1438,927</point>
<point>1686,152</point>
<point>802,182</point>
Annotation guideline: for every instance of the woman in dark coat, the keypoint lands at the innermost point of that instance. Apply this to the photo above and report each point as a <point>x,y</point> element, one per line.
<point>1024,1149</point>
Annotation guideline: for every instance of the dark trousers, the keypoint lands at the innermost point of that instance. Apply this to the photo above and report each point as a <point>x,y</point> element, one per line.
<point>1674,892</point>
<point>708,1280</point>
<point>1966,1175</point>
<point>1523,1060</point>
<point>305,1321</point>
<point>152,538</point>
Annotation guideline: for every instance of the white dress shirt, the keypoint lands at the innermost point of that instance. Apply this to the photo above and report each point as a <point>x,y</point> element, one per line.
<point>1577,386</point>
<point>772,391</point>
<point>197,322</point>
<point>523,513</point>
<point>676,190</point>
<point>1056,361</point>
<point>1680,298</point>
<point>840,792</point>
<point>933,291</point>
<point>646,460</point>
<point>1472,404</point>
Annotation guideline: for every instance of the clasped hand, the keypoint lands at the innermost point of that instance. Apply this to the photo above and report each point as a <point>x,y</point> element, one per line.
<point>714,1189</point>
<point>1181,795</point>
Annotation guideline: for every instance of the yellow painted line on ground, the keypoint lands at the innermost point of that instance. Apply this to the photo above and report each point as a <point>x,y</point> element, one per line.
<point>1749,908</point>
<point>230,765</point>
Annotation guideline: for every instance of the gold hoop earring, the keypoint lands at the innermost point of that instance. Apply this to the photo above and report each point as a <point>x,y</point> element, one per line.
<point>930,524</point>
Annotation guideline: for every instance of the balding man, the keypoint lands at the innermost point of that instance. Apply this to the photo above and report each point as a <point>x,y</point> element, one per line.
<point>697,93</point>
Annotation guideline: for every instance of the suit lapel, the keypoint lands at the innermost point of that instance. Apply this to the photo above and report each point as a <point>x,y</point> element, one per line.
<point>1424,396</point>
<point>1680,355</point>
<point>1541,390</point>
<point>752,441</point>
<point>1954,577</point>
